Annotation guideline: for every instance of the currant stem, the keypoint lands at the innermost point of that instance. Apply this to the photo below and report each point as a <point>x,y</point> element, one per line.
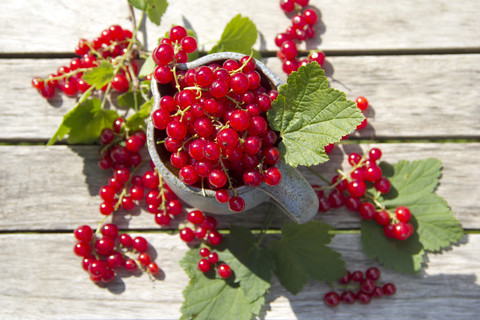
<point>230,185</point>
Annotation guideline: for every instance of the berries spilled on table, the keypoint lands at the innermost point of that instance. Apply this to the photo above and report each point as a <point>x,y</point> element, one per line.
<point>359,286</point>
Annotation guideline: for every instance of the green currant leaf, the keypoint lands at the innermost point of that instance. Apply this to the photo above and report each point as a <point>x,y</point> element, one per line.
<point>147,68</point>
<point>302,253</point>
<point>253,265</point>
<point>85,122</point>
<point>405,256</point>
<point>156,9</point>
<point>310,115</point>
<point>137,120</point>
<point>210,298</point>
<point>99,76</point>
<point>413,185</point>
<point>239,35</point>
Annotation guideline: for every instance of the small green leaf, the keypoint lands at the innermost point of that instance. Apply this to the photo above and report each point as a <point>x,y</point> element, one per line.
<point>85,122</point>
<point>147,68</point>
<point>239,35</point>
<point>302,252</point>
<point>210,298</point>
<point>99,76</point>
<point>137,120</point>
<point>156,9</point>
<point>310,115</point>
<point>253,265</point>
<point>404,256</point>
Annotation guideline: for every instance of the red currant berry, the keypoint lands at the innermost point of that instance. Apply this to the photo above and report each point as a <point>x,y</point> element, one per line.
<point>375,154</point>
<point>140,244</point>
<point>357,188</point>
<point>372,273</point>
<point>83,233</point>
<point>187,235</point>
<point>362,103</point>
<point>331,299</point>
<point>383,185</point>
<point>224,271</point>
<point>214,238</point>
<point>403,214</point>
<point>389,289</point>
<point>204,265</point>
<point>120,83</point>
<point>222,196</point>
<point>236,204</point>
<point>382,218</point>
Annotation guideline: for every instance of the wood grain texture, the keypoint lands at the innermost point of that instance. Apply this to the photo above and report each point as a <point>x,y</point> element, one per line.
<point>44,280</point>
<point>56,188</point>
<point>345,25</point>
<point>410,96</point>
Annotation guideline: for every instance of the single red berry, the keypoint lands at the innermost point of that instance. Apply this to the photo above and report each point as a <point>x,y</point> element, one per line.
<point>120,83</point>
<point>363,298</point>
<point>357,188</point>
<point>125,240</point>
<point>196,217</point>
<point>272,176</point>
<point>204,265</point>
<point>383,185</point>
<point>389,289</point>
<point>382,218</point>
<point>213,257</point>
<point>354,158</point>
<point>403,214</point>
<point>348,297</point>
<point>83,233</point>
<point>224,271</point>
<point>82,249</point>
<point>110,230</point>
<point>104,246</point>
<point>367,286</point>
<point>236,204</point>
<point>153,268</point>
<point>222,196</point>
<point>346,278</point>
<point>362,103</point>
<point>187,235</point>
<point>372,273</point>
<point>375,154</point>
<point>177,33</point>
<point>140,244</point>
<point>214,237</point>
<point>331,299</point>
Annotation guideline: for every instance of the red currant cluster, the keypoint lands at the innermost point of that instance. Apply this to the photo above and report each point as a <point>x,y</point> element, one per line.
<point>359,287</point>
<point>111,43</point>
<point>350,189</point>
<point>171,50</point>
<point>215,126</point>
<point>107,251</point>
<point>301,29</point>
<point>210,258</point>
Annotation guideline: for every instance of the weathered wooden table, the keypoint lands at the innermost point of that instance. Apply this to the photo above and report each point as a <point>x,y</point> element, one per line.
<point>417,62</point>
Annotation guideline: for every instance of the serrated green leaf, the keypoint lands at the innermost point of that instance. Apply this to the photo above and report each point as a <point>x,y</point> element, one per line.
<point>99,76</point>
<point>156,9</point>
<point>309,116</point>
<point>437,227</point>
<point>413,185</point>
<point>147,68</point>
<point>137,120</point>
<point>253,265</point>
<point>210,298</point>
<point>302,253</point>
<point>239,35</point>
<point>85,122</point>
<point>404,256</point>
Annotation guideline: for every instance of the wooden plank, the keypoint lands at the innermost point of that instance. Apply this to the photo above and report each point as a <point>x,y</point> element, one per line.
<point>345,25</point>
<point>43,279</point>
<point>56,188</point>
<point>410,96</point>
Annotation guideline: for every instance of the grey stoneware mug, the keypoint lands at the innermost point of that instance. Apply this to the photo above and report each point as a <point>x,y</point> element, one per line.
<point>293,194</point>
